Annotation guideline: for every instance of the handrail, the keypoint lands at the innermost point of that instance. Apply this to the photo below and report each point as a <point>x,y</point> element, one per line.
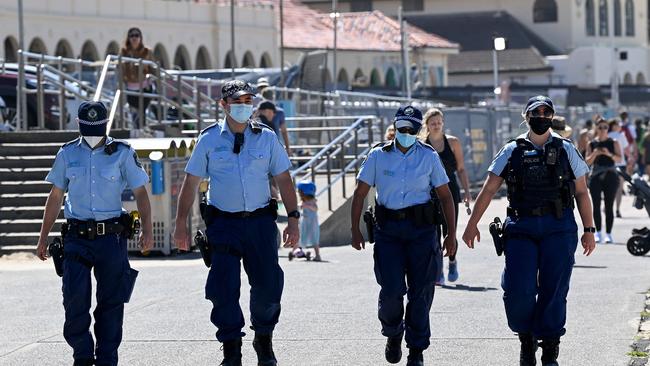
<point>56,58</point>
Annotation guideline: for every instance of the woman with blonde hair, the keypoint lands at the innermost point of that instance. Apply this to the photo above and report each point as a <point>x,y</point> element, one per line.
<point>451,153</point>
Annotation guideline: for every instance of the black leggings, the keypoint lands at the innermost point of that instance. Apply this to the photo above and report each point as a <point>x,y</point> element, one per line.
<point>607,185</point>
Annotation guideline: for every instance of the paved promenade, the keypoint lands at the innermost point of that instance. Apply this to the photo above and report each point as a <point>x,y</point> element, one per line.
<point>329,310</point>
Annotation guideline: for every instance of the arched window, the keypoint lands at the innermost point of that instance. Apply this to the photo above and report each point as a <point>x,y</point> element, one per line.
<point>391,79</point>
<point>617,18</point>
<point>375,78</point>
<point>89,51</point>
<point>182,58</point>
<point>11,49</point>
<point>627,79</point>
<point>603,18</point>
<point>202,59</point>
<point>590,18</point>
<point>343,81</point>
<point>113,48</point>
<point>545,11</point>
<point>629,18</point>
<point>160,55</point>
<point>248,60</point>
<point>63,49</point>
<point>640,79</point>
<point>37,46</point>
<point>229,61</point>
<point>265,61</point>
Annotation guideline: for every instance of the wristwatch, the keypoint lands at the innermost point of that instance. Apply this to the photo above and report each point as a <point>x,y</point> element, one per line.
<point>590,229</point>
<point>295,214</point>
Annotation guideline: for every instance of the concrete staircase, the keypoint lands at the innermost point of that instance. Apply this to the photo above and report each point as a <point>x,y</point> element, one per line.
<point>25,160</point>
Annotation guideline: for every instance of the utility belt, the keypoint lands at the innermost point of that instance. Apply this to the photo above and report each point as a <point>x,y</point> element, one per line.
<point>91,229</point>
<point>209,212</point>
<point>556,208</point>
<point>421,215</point>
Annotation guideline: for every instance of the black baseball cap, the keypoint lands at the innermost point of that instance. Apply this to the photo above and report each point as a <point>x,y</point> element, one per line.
<point>540,100</point>
<point>235,89</point>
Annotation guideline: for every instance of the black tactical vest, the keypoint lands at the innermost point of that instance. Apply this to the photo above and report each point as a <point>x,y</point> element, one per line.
<point>539,178</point>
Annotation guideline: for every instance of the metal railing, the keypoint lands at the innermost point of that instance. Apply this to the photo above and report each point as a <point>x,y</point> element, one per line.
<point>340,156</point>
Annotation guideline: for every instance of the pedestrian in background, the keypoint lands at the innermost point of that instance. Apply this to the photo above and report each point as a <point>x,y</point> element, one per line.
<point>603,153</point>
<point>617,134</point>
<point>640,134</point>
<point>135,82</point>
<point>585,136</point>
<point>309,226</point>
<point>560,127</point>
<point>450,152</point>
<point>646,151</point>
<point>542,172</point>
<point>238,155</point>
<point>390,133</point>
<point>406,250</point>
<point>93,170</point>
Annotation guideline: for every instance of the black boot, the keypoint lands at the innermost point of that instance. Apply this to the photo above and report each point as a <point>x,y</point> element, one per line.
<point>393,351</point>
<point>415,357</point>
<point>550,351</point>
<point>84,362</point>
<point>231,353</point>
<point>264,347</point>
<point>528,349</point>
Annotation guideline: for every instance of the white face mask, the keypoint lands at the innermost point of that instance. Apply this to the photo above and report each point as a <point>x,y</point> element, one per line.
<point>93,141</point>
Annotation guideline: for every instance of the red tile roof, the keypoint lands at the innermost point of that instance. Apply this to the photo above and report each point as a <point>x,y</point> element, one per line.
<point>305,28</point>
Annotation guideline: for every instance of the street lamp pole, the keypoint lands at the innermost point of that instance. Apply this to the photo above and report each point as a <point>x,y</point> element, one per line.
<point>335,18</point>
<point>281,42</point>
<point>499,45</point>
<point>232,39</point>
<point>21,30</point>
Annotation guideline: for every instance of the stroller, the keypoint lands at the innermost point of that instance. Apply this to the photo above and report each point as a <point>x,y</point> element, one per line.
<point>639,243</point>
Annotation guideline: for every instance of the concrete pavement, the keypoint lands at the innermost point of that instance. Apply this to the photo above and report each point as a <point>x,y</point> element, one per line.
<point>329,310</point>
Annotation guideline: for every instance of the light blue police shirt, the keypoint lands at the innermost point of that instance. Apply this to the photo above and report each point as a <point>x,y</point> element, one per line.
<point>238,182</point>
<point>578,164</point>
<point>403,179</point>
<point>95,180</point>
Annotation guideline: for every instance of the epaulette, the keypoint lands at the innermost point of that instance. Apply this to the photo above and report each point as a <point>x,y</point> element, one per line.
<point>257,126</point>
<point>71,142</point>
<point>209,127</point>
<point>112,146</point>
<point>424,144</point>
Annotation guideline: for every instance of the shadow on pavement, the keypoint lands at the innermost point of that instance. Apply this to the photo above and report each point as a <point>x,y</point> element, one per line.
<point>469,288</point>
<point>590,267</point>
<point>175,255</point>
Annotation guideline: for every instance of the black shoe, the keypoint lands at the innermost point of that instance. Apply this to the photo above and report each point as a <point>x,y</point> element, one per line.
<point>231,353</point>
<point>550,351</point>
<point>415,357</point>
<point>264,348</point>
<point>84,362</point>
<point>528,349</point>
<point>618,214</point>
<point>393,350</point>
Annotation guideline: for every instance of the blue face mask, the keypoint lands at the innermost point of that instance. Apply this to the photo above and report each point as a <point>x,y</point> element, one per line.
<point>405,139</point>
<point>241,112</point>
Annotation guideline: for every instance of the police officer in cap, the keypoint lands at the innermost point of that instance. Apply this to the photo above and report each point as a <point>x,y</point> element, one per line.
<point>545,175</point>
<point>238,155</point>
<point>93,170</point>
<point>407,251</point>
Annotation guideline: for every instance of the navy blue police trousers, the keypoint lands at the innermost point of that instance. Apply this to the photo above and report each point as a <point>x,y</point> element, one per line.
<point>107,256</point>
<point>254,242</point>
<point>539,256</point>
<point>407,259</point>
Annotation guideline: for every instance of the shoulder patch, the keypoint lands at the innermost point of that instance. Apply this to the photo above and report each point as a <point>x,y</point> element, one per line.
<point>137,162</point>
<point>112,147</point>
<point>71,142</point>
<point>257,126</point>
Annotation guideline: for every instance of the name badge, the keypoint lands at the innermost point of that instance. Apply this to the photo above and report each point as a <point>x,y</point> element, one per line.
<point>530,153</point>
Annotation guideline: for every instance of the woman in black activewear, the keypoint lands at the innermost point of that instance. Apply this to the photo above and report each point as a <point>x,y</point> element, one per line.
<point>451,154</point>
<point>602,155</point>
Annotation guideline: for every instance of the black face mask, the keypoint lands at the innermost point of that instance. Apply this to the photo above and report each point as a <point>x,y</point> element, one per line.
<point>539,125</point>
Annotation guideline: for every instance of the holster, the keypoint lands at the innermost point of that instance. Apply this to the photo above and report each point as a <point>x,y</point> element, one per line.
<point>127,221</point>
<point>369,219</point>
<point>201,241</point>
<point>56,253</point>
<point>498,235</point>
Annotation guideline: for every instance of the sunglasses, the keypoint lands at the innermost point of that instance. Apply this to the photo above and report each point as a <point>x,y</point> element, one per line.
<point>536,113</point>
<point>134,35</point>
<point>407,130</point>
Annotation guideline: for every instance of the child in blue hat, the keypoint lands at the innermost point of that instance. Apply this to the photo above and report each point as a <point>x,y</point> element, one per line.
<point>309,227</point>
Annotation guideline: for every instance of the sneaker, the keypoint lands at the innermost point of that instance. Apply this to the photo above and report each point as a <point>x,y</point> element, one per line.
<point>452,276</point>
<point>618,214</point>
<point>598,237</point>
<point>441,280</point>
<point>608,238</point>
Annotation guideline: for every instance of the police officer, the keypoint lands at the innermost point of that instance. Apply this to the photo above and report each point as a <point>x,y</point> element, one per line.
<point>94,169</point>
<point>404,171</point>
<point>544,175</point>
<point>238,154</point>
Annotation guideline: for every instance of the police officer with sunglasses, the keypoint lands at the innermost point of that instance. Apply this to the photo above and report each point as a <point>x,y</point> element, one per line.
<point>406,252</point>
<point>545,176</point>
